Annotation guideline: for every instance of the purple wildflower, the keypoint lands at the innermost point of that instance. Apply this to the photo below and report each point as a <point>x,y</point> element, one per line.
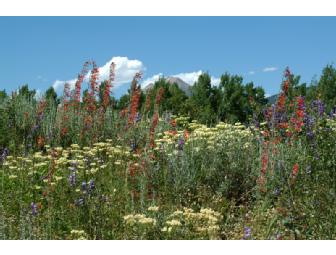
<point>4,154</point>
<point>91,184</point>
<point>276,192</point>
<point>320,107</point>
<point>133,146</point>
<point>83,185</point>
<point>138,117</point>
<point>79,201</point>
<point>247,233</point>
<point>180,144</point>
<point>33,208</point>
<point>72,179</point>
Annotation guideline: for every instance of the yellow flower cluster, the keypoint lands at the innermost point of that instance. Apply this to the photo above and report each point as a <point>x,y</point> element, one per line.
<point>133,219</point>
<point>153,209</point>
<point>78,234</point>
<point>170,225</point>
<point>182,121</point>
<point>332,123</point>
<point>222,133</point>
<point>206,221</point>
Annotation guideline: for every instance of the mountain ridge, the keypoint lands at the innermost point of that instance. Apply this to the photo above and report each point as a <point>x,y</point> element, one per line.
<point>185,87</point>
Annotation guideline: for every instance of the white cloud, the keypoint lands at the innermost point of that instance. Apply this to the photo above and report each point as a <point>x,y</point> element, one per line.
<point>125,70</point>
<point>270,69</point>
<point>38,94</point>
<point>251,72</point>
<point>215,81</point>
<point>59,85</point>
<point>267,95</point>
<point>189,78</point>
<point>151,79</point>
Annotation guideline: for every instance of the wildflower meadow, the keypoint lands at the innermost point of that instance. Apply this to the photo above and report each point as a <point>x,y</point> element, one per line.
<point>84,166</point>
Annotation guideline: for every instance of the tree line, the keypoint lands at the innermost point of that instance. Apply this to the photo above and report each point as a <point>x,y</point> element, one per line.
<point>231,101</point>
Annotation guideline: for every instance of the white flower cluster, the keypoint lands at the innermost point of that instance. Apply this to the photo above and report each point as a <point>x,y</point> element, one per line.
<point>78,234</point>
<point>141,219</point>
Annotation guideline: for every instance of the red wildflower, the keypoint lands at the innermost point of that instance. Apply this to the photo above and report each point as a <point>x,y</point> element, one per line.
<point>300,114</point>
<point>40,141</point>
<point>108,87</point>
<point>264,162</point>
<point>295,170</point>
<point>300,102</point>
<point>283,125</point>
<point>135,98</point>
<point>134,105</point>
<point>186,135</point>
<point>80,79</point>
<point>159,96</point>
<point>285,86</point>
<point>152,129</point>
<point>94,78</point>
<point>298,126</point>
<point>281,101</point>
<point>132,170</point>
<point>64,131</point>
<point>123,112</point>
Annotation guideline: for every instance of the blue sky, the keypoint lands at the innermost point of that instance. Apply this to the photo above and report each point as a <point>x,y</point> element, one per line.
<point>45,51</point>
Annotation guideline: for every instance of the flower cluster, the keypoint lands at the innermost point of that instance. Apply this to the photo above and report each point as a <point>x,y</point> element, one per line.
<point>78,234</point>
<point>139,219</point>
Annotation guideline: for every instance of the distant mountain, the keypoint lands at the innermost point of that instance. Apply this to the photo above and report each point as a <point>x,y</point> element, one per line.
<point>272,99</point>
<point>180,83</point>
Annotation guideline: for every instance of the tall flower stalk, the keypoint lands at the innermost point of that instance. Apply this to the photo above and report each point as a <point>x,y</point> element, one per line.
<point>135,99</point>
<point>108,87</point>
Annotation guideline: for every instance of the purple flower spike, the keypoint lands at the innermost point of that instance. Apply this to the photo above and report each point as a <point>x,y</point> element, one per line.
<point>33,208</point>
<point>91,185</point>
<point>247,233</point>
<point>180,144</point>
<point>72,179</point>
<point>83,185</point>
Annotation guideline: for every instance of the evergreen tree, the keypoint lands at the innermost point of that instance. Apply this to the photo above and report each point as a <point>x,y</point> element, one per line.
<point>3,95</point>
<point>327,87</point>
<point>26,93</point>
<point>51,96</point>
<point>202,103</point>
<point>233,101</point>
<point>123,102</point>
